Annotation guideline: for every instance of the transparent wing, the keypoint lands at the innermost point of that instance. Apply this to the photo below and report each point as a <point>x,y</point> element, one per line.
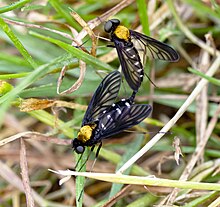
<point>121,118</point>
<point>103,97</point>
<point>149,47</point>
<point>130,63</point>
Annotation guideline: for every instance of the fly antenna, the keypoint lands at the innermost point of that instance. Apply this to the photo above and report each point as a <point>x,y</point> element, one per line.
<point>150,80</point>
<point>141,132</point>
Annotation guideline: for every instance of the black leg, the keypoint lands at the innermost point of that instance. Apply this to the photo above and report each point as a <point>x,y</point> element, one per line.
<point>110,46</point>
<point>97,152</point>
<point>78,161</point>
<point>92,148</point>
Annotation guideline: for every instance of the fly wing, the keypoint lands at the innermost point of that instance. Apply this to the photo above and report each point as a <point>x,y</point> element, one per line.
<point>103,97</point>
<point>130,63</point>
<point>149,47</point>
<point>120,119</point>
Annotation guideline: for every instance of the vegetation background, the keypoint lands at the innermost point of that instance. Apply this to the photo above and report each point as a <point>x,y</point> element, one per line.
<point>37,124</point>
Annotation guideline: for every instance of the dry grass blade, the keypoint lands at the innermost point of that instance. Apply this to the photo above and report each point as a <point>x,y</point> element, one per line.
<point>25,176</point>
<point>125,191</point>
<point>202,101</point>
<point>76,85</point>
<point>196,155</point>
<point>88,30</point>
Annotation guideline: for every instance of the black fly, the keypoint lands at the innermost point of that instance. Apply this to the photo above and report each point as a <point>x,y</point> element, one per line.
<point>105,117</point>
<point>133,48</point>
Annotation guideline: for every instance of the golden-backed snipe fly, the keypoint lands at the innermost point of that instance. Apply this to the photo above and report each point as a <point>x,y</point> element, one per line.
<point>105,117</point>
<point>133,47</point>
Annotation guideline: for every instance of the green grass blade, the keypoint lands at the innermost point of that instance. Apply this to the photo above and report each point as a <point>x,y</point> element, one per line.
<point>17,43</point>
<point>5,100</point>
<point>76,52</point>
<point>133,147</point>
<point>13,76</point>
<point>210,79</point>
<point>64,12</point>
<point>142,10</point>
<point>13,59</point>
<point>80,180</point>
<point>15,5</point>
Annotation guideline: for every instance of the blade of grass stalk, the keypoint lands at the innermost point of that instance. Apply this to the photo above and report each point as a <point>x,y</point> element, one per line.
<point>215,203</point>
<point>64,12</point>
<point>210,79</point>
<point>43,52</point>
<point>132,148</point>
<point>143,180</point>
<point>15,5</point>
<point>81,161</point>
<point>201,200</point>
<point>146,200</point>
<point>13,76</point>
<point>17,43</point>
<point>76,52</point>
<point>13,59</point>
<point>142,11</point>
<point>80,180</point>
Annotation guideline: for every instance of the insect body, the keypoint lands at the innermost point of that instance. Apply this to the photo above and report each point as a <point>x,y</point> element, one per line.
<point>133,48</point>
<point>105,117</point>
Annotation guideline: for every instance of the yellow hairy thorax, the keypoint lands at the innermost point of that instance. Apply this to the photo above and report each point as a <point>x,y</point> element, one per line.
<point>122,33</point>
<point>85,133</point>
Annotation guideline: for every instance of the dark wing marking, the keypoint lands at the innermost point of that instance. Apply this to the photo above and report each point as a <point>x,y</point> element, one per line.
<point>153,48</point>
<point>103,97</point>
<point>130,63</point>
<point>116,121</point>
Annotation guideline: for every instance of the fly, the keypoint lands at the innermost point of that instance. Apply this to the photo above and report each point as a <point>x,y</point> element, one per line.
<point>105,117</point>
<point>131,46</point>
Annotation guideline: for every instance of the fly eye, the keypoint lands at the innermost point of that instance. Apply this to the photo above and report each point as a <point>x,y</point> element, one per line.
<point>108,26</point>
<point>80,149</point>
<point>116,22</point>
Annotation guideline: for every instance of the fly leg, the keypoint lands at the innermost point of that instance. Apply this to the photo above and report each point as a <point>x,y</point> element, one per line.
<point>96,155</point>
<point>92,148</point>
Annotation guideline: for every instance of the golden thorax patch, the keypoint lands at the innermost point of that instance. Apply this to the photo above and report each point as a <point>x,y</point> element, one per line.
<point>85,133</point>
<point>122,33</point>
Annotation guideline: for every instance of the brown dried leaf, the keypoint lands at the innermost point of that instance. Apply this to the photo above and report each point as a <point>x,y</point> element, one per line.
<point>35,104</point>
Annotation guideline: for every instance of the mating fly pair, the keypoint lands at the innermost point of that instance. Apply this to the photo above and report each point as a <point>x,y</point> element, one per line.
<point>105,117</point>
<point>133,48</point>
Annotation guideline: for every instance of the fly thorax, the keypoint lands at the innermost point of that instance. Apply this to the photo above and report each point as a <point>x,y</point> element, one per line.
<point>122,32</point>
<point>85,133</point>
